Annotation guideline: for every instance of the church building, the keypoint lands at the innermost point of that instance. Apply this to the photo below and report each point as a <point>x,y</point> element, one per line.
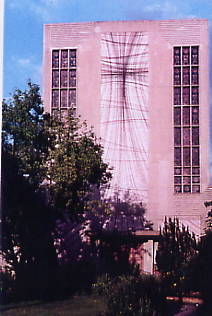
<point>144,87</point>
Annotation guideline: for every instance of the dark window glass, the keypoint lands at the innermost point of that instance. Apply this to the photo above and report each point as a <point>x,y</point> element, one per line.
<point>177,76</point>
<point>196,188</point>
<point>186,115</point>
<point>195,95</point>
<point>177,171</point>
<point>72,58</point>
<point>186,119</point>
<point>63,98</point>
<point>186,171</point>
<point>55,59</point>
<point>177,180</point>
<point>195,170</point>
<point>177,96</point>
<point>195,136</point>
<point>177,136</point>
<point>64,78</point>
<point>186,56</point>
<point>72,78</point>
<point>177,156</point>
<point>186,188</point>
<point>194,55</point>
<point>186,95</point>
<point>196,179</point>
<point>186,76</point>
<point>195,156</point>
<point>177,189</point>
<point>194,75</point>
<point>72,98</point>
<point>55,78</point>
<point>177,116</point>
<point>177,54</point>
<point>64,58</point>
<point>186,156</point>
<point>186,136</point>
<point>55,98</point>
<point>195,115</point>
<point>186,180</point>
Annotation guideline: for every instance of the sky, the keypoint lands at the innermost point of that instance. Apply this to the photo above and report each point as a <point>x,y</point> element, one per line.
<point>24,20</point>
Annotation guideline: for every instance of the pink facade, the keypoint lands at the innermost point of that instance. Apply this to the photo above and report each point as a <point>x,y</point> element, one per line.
<point>144,87</point>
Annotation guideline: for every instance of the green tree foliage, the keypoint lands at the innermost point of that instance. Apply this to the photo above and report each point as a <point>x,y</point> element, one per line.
<point>26,219</point>
<point>202,267</point>
<point>209,217</point>
<point>201,263</point>
<point>21,135</point>
<point>74,166</point>
<point>175,249</point>
<point>48,167</point>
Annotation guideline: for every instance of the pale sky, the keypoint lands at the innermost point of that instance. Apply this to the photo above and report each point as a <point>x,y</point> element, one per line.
<point>24,20</point>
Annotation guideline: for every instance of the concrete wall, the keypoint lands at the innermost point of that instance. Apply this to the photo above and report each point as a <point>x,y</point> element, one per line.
<point>162,36</point>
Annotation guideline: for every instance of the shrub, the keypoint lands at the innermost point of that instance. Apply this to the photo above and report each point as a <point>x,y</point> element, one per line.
<point>176,248</point>
<point>102,285</point>
<point>131,295</point>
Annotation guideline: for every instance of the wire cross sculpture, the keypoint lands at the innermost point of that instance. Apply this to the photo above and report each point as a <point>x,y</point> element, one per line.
<point>124,115</point>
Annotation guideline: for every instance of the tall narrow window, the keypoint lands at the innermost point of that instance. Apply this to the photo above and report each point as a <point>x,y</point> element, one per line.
<point>55,59</point>
<point>64,58</point>
<point>186,76</point>
<point>55,78</point>
<point>64,76</point>
<point>186,119</point>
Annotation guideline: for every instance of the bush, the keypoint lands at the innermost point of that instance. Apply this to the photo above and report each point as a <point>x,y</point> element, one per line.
<point>131,295</point>
<point>176,248</point>
<point>102,285</point>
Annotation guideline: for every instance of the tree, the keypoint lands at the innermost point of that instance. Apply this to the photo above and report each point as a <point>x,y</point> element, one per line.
<point>202,268</point>
<point>176,247</point>
<point>209,217</point>
<point>22,129</point>
<point>26,219</point>
<point>74,166</point>
<point>201,263</point>
<point>48,167</point>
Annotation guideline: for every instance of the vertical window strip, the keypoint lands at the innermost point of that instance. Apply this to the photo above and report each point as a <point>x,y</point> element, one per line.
<point>186,119</point>
<point>64,62</point>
